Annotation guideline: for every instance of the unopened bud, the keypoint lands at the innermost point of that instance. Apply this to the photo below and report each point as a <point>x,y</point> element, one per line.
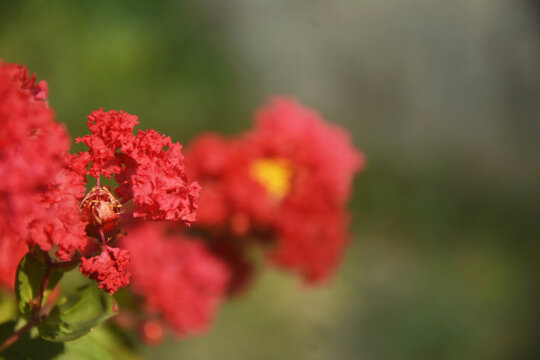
<point>100,208</point>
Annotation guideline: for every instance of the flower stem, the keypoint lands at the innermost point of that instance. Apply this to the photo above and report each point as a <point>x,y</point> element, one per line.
<point>37,309</point>
<point>16,336</point>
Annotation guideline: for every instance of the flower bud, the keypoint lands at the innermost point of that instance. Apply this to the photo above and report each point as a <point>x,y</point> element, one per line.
<point>100,208</point>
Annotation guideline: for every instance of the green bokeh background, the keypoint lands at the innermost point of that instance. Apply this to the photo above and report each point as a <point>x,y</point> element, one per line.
<point>443,262</point>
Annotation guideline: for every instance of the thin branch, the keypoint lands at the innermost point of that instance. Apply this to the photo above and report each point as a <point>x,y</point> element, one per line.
<point>16,336</point>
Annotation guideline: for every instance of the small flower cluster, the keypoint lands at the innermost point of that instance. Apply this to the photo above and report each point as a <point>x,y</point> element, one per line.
<point>282,186</point>
<point>149,169</point>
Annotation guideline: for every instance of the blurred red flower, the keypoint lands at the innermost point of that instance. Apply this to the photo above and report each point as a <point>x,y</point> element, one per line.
<point>178,278</point>
<point>32,145</point>
<point>285,183</point>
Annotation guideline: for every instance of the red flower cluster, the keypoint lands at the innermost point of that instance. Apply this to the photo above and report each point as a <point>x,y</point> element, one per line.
<point>177,277</point>
<point>149,167</point>
<point>109,268</point>
<point>150,172</point>
<point>285,183</point>
<point>32,146</point>
<point>43,192</point>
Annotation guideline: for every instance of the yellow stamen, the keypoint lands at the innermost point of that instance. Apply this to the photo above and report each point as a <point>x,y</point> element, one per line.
<point>274,174</point>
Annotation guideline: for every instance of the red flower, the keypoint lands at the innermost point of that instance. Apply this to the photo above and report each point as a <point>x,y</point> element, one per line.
<point>285,182</point>
<point>177,277</point>
<point>149,169</point>
<point>31,148</point>
<point>286,129</point>
<point>311,220</point>
<point>109,268</point>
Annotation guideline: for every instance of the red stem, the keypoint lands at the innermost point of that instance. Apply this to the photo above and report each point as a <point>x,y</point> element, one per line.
<point>43,286</point>
<point>16,336</point>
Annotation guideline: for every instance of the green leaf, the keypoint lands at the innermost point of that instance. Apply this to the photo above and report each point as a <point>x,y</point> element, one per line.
<point>119,344</point>
<point>26,347</point>
<point>84,348</point>
<point>35,348</point>
<point>76,316</point>
<point>30,274</point>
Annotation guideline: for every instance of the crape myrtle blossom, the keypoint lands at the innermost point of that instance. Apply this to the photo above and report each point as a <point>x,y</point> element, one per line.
<point>43,188</point>
<point>32,146</point>
<point>284,184</point>
<point>150,173</point>
<point>180,282</point>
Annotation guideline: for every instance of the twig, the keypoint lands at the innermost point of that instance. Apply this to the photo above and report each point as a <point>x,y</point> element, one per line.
<point>16,336</point>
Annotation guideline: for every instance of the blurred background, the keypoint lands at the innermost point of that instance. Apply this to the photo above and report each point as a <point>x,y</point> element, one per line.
<point>443,97</point>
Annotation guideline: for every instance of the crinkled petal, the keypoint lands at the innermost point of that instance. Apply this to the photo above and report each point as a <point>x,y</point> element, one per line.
<point>156,179</point>
<point>110,131</point>
<point>109,269</point>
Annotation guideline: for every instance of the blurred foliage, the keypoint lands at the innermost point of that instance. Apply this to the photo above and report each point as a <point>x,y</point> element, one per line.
<point>158,62</point>
<point>443,263</point>
<point>98,345</point>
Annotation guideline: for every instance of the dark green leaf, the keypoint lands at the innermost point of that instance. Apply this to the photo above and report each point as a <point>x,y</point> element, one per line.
<point>35,348</point>
<point>74,317</point>
<point>30,274</point>
<point>26,347</point>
